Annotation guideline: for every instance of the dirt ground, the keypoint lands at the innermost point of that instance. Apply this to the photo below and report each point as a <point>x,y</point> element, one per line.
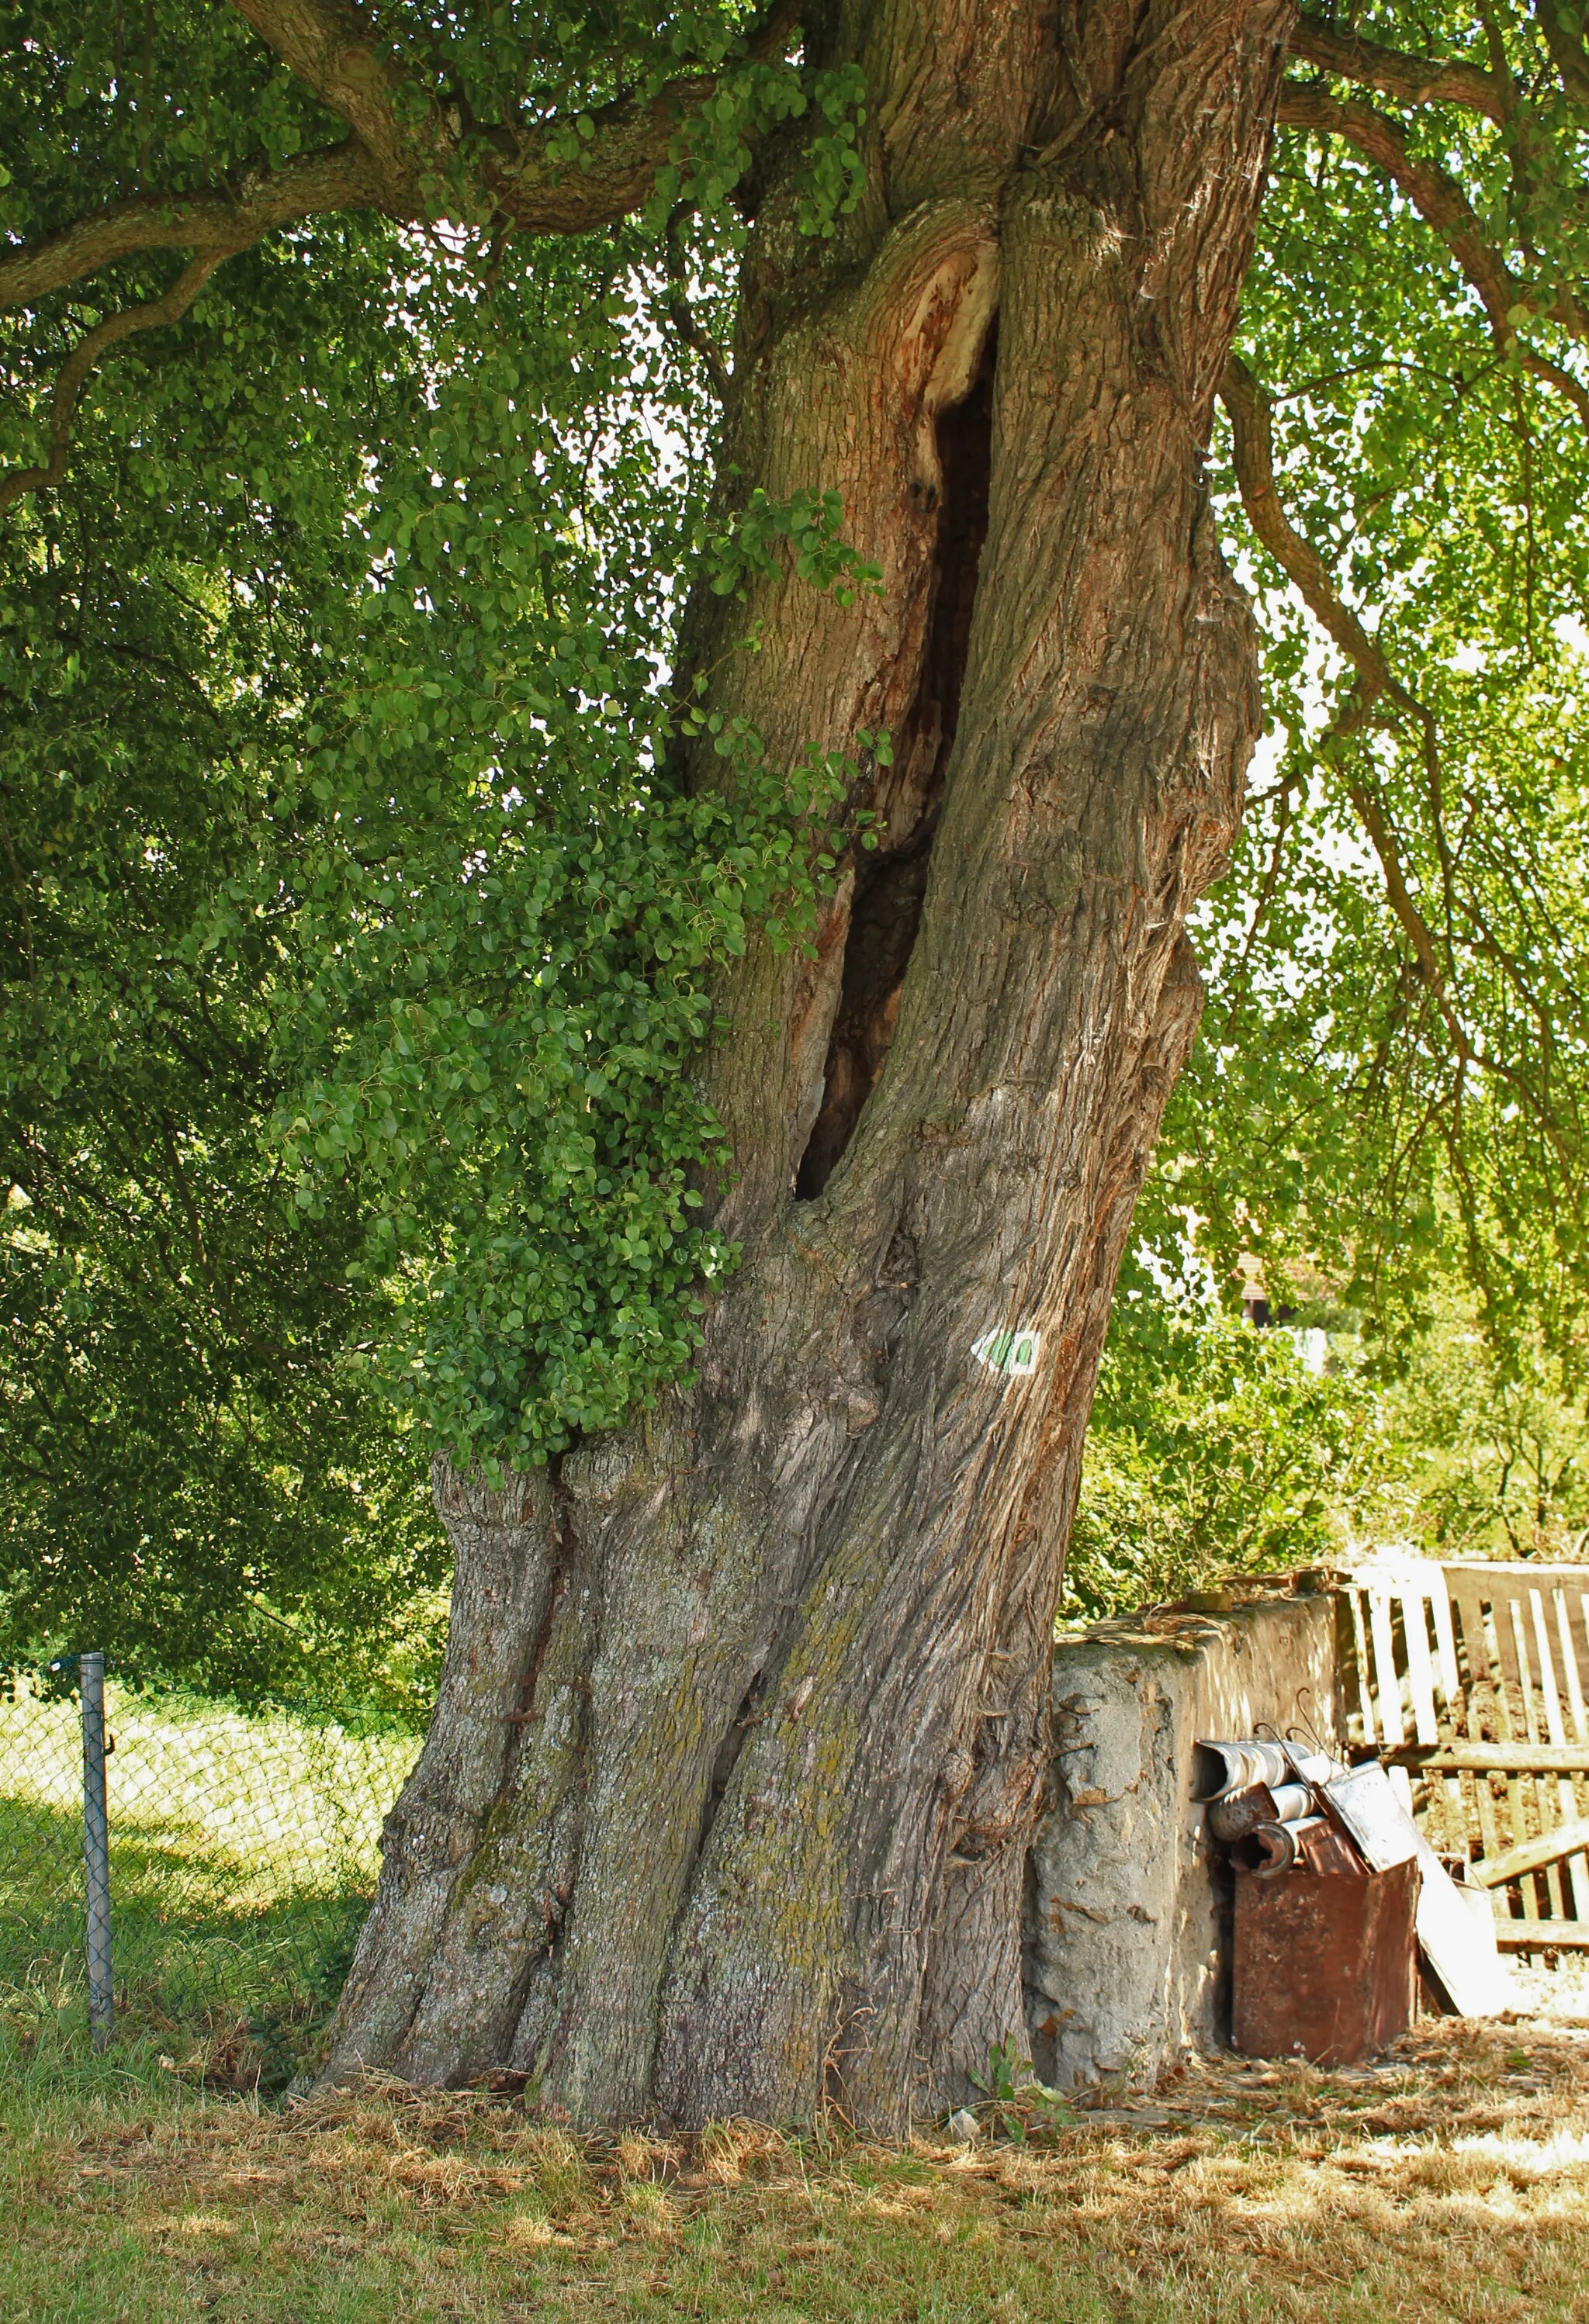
<point>1448,2179</point>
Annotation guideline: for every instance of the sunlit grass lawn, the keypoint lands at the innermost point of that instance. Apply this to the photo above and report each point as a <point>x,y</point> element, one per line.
<point>243,1851</point>
<point>1451,2181</point>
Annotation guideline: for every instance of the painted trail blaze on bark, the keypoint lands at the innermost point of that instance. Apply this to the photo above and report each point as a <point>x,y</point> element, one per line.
<point>726,1802</point>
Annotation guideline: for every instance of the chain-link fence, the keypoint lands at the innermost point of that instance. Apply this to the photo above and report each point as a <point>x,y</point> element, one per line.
<point>243,1849</point>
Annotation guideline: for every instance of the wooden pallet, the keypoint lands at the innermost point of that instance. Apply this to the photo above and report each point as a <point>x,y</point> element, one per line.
<point>1468,1678</point>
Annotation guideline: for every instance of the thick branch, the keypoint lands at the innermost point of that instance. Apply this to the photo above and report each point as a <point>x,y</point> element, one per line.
<point>82,360</point>
<point>1440,201</point>
<point>328,46</point>
<point>615,172</point>
<point>342,179</point>
<point>393,161</point>
<point>410,134</point>
<point>1437,199</point>
<point>1410,79</point>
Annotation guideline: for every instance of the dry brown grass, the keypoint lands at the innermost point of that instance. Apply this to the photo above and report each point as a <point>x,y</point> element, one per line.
<point>1451,2180</point>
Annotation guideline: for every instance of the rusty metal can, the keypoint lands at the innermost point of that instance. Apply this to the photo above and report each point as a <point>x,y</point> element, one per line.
<point>1325,1965</point>
<point>1236,1813</point>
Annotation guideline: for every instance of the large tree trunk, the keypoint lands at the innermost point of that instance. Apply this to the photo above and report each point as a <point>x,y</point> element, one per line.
<point>726,1802</point>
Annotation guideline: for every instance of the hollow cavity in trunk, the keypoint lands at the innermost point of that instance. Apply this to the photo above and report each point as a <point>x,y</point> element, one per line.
<point>891,879</point>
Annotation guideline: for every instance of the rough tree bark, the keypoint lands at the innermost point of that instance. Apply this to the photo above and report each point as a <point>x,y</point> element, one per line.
<point>727,1801</point>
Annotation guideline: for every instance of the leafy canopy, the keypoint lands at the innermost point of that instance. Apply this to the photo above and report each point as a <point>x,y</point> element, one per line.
<point>361,380</point>
<point>360,931</point>
<point>1387,1100</point>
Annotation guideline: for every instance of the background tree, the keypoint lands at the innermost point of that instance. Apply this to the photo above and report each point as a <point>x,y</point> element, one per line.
<point>191,1466</point>
<point>713,881</point>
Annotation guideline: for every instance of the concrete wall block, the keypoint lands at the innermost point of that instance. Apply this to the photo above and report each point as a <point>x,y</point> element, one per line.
<point>1123,1939</point>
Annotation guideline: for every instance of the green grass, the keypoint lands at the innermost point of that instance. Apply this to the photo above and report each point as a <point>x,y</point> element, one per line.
<point>157,2183</point>
<point>243,1853</point>
<point>1450,2184</point>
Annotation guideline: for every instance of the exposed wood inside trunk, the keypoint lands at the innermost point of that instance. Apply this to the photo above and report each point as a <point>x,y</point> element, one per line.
<point>889,884</point>
<point>728,1798</point>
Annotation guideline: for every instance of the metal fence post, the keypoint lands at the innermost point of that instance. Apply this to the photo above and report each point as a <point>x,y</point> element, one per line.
<point>96,1849</point>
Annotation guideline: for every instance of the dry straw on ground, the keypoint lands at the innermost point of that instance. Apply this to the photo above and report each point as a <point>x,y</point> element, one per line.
<point>1450,2180</point>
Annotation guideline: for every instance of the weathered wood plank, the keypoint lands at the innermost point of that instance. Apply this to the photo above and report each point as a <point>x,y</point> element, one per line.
<point>1572,1874</point>
<point>1387,1681</point>
<point>1365,1700</point>
<point>1445,1646</point>
<point>1540,1936</point>
<point>1513,1699</point>
<point>1419,1602</point>
<point>1569,1661</point>
<point>1493,1758</point>
<point>1533,1855</point>
<point>1576,1705</point>
<point>1420,1667</point>
<point>1475,1654</point>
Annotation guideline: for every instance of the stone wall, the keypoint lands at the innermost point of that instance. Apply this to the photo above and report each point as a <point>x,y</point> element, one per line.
<point>1124,1900</point>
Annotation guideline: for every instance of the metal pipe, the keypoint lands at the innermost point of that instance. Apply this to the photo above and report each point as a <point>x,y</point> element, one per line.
<point>1241,1765</point>
<point>1271,1848</point>
<point>96,1849</point>
<point>1234,1814</point>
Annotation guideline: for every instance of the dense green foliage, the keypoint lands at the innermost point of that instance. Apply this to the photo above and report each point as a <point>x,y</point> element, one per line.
<point>359,926</point>
<point>1217,1450</point>
<point>360,933</point>
<point>185,1449</point>
<point>1404,1146</point>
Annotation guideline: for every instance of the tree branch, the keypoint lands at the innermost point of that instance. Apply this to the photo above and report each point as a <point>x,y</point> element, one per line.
<point>343,177</point>
<point>392,161</point>
<point>682,315</point>
<point>1440,201</point>
<point>1410,79</point>
<point>1248,406</point>
<point>1568,52</point>
<point>1254,443</point>
<point>88,352</point>
<point>410,134</point>
<point>328,46</point>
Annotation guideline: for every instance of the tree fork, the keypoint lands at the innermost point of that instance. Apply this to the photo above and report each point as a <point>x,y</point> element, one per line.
<point>726,1805</point>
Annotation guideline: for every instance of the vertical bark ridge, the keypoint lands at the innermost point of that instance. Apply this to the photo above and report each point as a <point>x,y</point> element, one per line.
<point>505,1550</point>
<point>972,1983</point>
<point>507,1909</point>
